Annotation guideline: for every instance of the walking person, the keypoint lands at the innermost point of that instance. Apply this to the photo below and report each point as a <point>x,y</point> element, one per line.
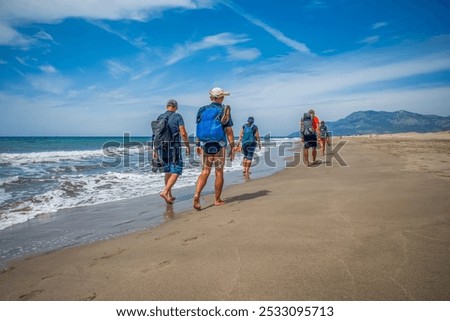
<point>168,148</point>
<point>214,130</point>
<point>249,136</point>
<point>309,131</point>
<point>323,136</point>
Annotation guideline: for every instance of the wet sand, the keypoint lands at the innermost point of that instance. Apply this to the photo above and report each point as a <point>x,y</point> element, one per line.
<point>376,229</point>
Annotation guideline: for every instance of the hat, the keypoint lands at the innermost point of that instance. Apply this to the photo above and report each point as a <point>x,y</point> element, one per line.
<point>251,119</point>
<point>172,102</point>
<point>218,92</point>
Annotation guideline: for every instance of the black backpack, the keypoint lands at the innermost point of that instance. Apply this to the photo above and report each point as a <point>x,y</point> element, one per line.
<point>162,135</point>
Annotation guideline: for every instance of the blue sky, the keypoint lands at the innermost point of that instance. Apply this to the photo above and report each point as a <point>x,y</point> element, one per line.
<point>105,67</point>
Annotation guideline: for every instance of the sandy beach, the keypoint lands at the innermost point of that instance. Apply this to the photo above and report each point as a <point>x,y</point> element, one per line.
<point>374,228</point>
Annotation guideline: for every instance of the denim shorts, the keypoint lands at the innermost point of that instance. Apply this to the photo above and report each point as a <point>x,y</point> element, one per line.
<point>173,167</point>
<point>172,162</point>
<point>248,149</point>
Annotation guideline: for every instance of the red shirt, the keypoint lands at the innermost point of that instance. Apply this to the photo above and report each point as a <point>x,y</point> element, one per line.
<point>315,123</point>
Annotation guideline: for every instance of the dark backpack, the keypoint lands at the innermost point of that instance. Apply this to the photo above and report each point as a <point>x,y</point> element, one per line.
<point>306,127</point>
<point>162,135</point>
<point>323,131</point>
<point>210,127</point>
<point>249,133</point>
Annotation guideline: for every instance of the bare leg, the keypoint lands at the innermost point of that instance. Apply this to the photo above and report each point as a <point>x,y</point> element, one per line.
<point>170,180</point>
<point>201,182</point>
<point>218,186</point>
<point>314,154</point>
<point>305,157</point>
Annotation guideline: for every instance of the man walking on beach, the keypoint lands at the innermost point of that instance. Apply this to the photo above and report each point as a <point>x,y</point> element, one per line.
<point>214,129</point>
<point>309,131</point>
<point>249,137</point>
<point>170,152</point>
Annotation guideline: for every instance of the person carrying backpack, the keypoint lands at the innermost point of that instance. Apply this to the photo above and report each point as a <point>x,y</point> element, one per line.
<point>309,132</point>
<point>249,137</point>
<point>214,130</point>
<point>323,136</point>
<point>167,130</point>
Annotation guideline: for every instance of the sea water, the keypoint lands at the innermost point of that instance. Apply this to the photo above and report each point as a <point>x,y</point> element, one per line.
<point>62,180</point>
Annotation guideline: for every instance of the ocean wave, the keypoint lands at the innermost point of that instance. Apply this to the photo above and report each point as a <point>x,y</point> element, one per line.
<point>9,180</point>
<point>21,159</point>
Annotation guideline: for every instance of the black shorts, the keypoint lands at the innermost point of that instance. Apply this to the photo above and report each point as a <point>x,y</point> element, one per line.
<point>211,148</point>
<point>310,141</point>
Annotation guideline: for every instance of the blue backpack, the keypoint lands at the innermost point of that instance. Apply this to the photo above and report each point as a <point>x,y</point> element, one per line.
<point>249,133</point>
<point>209,126</point>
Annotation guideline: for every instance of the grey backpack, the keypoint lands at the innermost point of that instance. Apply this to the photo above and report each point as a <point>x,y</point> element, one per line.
<point>306,127</point>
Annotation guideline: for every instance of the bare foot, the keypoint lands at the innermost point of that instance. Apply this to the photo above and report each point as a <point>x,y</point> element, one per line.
<point>166,198</point>
<point>219,202</point>
<point>196,204</point>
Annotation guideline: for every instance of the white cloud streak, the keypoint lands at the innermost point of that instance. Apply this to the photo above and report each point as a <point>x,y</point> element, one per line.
<point>220,40</point>
<point>277,34</point>
<point>379,25</point>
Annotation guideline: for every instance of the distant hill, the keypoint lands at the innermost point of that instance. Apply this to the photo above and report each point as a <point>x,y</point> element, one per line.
<point>381,122</point>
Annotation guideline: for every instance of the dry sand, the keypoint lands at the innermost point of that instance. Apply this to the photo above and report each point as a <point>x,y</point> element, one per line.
<point>377,229</point>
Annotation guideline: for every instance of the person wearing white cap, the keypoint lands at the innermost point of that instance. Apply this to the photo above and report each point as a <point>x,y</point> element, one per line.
<point>214,129</point>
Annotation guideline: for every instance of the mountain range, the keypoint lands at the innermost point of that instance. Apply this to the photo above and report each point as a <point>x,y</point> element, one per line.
<point>382,122</point>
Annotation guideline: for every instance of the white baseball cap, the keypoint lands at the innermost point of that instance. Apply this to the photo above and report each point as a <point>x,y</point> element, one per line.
<point>218,92</point>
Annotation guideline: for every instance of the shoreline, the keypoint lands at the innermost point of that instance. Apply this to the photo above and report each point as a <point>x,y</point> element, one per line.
<point>320,233</point>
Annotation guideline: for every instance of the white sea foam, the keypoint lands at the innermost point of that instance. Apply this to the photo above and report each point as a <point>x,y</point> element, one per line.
<point>8,180</point>
<point>20,159</point>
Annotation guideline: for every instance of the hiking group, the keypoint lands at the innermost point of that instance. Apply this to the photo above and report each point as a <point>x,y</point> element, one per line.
<point>214,132</point>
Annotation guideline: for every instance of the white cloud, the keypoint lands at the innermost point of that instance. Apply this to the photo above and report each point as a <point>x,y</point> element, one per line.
<point>42,35</point>
<point>15,13</point>
<point>220,40</point>
<point>49,69</point>
<point>298,46</point>
<point>51,11</point>
<point>379,25</point>
<point>243,54</point>
<point>116,69</point>
<point>370,40</point>
<point>56,85</point>
<point>10,37</point>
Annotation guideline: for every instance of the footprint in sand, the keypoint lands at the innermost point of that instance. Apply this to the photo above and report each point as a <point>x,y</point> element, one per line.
<point>159,266</point>
<point>163,264</point>
<point>30,295</point>
<point>108,256</point>
<point>191,239</point>
<point>90,298</point>
<point>186,241</point>
<point>167,235</point>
